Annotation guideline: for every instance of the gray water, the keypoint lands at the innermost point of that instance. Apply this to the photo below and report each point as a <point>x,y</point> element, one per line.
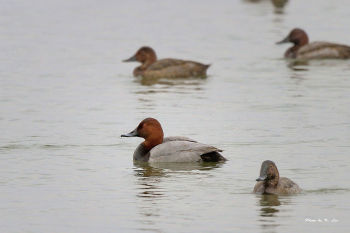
<point>66,97</point>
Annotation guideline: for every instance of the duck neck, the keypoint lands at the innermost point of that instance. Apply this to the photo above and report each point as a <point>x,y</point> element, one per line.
<point>153,141</point>
<point>300,42</point>
<point>151,58</point>
<point>138,71</point>
<point>141,153</point>
<point>292,51</point>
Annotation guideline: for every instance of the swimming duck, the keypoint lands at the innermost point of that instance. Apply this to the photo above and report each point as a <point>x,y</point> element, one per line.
<point>156,148</point>
<point>302,49</point>
<point>165,68</point>
<point>270,182</point>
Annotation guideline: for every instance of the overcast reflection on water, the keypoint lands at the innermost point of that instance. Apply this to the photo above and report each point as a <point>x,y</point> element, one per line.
<point>66,98</point>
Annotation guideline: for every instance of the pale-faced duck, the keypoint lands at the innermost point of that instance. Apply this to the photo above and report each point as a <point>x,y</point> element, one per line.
<point>156,148</point>
<point>270,182</point>
<point>302,49</point>
<point>165,68</point>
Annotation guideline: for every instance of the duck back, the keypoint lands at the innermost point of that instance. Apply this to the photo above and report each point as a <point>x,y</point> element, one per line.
<point>287,186</point>
<point>175,68</point>
<point>178,138</point>
<point>323,50</point>
<point>182,149</point>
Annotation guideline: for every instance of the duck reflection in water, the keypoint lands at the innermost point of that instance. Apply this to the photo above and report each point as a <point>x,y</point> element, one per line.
<point>279,3</point>
<point>150,176</point>
<point>148,194</point>
<point>144,169</point>
<point>269,210</point>
<point>150,191</point>
<point>268,203</point>
<point>171,81</point>
<point>298,65</point>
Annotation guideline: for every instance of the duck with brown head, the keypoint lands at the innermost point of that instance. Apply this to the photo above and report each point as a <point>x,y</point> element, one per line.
<point>270,181</point>
<point>165,68</point>
<point>156,148</point>
<point>302,49</point>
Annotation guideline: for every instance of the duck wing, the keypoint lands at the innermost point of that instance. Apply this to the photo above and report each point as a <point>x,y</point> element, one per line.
<point>181,149</point>
<point>287,186</point>
<point>323,50</point>
<point>165,63</point>
<point>175,68</point>
<point>178,138</point>
<point>259,187</point>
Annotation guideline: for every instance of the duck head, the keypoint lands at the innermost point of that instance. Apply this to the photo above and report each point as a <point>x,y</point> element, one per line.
<point>143,55</point>
<point>149,129</point>
<point>268,174</point>
<point>146,56</point>
<point>297,36</point>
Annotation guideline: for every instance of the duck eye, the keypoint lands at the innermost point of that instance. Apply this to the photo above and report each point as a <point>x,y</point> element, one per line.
<point>140,126</point>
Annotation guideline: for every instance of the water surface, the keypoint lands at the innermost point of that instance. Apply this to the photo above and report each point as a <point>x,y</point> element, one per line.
<point>66,97</point>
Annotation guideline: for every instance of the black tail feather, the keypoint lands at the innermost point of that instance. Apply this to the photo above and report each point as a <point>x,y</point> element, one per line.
<point>213,157</point>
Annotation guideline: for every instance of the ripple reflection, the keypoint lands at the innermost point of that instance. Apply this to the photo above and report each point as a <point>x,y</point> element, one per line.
<point>153,189</point>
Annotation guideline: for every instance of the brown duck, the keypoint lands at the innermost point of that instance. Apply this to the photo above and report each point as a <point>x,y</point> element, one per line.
<point>270,182</point>
<point>165,68</point>
<point>302,49</point>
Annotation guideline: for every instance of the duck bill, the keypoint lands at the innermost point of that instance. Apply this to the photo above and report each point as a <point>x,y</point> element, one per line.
<point>261,178</point>
<point>285,40</point>
<point>131,134</point>
<point>133,58</point>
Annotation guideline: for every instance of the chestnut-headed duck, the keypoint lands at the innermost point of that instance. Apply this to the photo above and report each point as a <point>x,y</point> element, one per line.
<point>270,182</point>
<point>302,49</point>
<point>156,148</point>
<point>165,68</point>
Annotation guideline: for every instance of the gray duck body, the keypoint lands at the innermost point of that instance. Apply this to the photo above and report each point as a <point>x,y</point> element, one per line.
<point>178,149</point>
